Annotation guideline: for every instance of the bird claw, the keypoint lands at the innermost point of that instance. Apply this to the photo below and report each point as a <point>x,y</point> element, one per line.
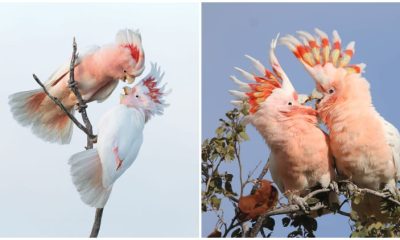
<point>301,202</point>
<point>334,187</point>
<point>387,192</point>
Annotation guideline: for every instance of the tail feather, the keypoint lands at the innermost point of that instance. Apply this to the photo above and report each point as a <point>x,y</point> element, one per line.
<point>47,121</point>
<point>86,172</point>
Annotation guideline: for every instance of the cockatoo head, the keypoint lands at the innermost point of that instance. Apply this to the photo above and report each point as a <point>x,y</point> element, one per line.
<point>147,94</point>
<point>328,65</point>
<point>131,61</point>
<point>271,93</point>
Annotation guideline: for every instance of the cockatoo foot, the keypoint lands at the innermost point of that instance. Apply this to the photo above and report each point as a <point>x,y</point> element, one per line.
<point>390,190</point>
<point>334,187</point>
<point>301,202</point>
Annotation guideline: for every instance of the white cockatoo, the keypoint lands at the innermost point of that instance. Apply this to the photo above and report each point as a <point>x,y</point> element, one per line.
<point>120,136</point>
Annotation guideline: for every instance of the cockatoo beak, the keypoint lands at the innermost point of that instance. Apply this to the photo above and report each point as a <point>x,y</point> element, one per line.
<point>303,99</point>
<point>125,91</point>
<point>255,181</point>
<point>129,79</point>
<point>316,94</point>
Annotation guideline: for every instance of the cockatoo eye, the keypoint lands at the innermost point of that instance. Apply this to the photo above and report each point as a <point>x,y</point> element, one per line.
<point>124,71</point>
<point>137,96</point>
<point>330,91</point>
<point>290,103</point>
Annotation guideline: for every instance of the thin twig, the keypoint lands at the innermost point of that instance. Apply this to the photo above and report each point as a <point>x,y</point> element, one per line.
<point>59,103</point>
<point>97,223</point>
<point>354,187</point>
<point>283,210</point>
<point>89,145</point>
<point>81,103</point>
<point>87,129</point>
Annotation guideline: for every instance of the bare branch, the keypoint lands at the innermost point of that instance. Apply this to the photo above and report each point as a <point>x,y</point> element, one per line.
<point>87,129</point>
<point>351,187</point>
<point>97,223</point>
<point>81,103</point>
<point>59,103</point>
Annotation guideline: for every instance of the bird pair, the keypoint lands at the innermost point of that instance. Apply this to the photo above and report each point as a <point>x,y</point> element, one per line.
<point>361,145</point>
<point>120,132</point>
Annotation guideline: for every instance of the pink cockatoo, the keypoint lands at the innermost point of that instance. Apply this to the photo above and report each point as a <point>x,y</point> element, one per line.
<point>97,73</point>
<point>120,136</point>
<point>300,157</point>
<point>366,147</point>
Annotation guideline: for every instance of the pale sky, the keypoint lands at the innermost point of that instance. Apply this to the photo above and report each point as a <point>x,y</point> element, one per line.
<point>158,196</point>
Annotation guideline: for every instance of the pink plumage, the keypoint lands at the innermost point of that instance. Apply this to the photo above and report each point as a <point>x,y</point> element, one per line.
<point>300,157</point>
<point>366,147</point>
<point>97,74</point>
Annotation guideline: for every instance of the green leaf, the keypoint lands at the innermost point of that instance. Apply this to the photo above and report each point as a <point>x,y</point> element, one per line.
<point>312,201</point>
<point>219,131</point>
<point>285,221</point>
<point>228,177</point>
<point>269,223</point>
<point>357,200</point>
<point>215,202</point>
<point>237,233</point>
<point>310,224</point>
<point>244,136</point>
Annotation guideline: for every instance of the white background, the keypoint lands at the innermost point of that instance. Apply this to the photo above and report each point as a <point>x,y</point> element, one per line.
<point>158,196</point>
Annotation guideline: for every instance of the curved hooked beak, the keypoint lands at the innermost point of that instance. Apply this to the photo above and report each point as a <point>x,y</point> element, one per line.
<point>128,78</point>
<point>255,181</point>
<point>316,94</point>
<point>125,91</point>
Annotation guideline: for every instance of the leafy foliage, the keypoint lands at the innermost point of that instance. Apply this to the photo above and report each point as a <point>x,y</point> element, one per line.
<point>224,148</point>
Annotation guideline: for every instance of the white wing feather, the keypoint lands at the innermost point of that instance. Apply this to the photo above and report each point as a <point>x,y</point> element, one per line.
<point>120,127</point>
<point>393,139</point>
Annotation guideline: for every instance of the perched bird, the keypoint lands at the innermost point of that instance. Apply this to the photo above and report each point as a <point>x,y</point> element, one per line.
<point>254,205</point>
<point>300,158</point>
<point>120,135</point>
<point>366,147</point>
<point>97,73</point>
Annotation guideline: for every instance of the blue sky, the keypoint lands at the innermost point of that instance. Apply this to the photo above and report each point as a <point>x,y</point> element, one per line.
<point>231,30</point>
<point>38,198</point>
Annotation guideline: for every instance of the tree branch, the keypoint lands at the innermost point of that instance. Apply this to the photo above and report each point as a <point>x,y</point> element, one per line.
<point>81,103</point>
<point>87,129</point>
<point>282,210</point>
<point>352,187</point>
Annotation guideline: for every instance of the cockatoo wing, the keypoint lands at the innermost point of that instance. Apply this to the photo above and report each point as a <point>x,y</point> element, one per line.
<point>63,70</point>
<point>393,139</point>
<point>121,128</point>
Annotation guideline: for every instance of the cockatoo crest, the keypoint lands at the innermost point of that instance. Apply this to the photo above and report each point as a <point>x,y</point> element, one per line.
<point>132,40</point>
<point>317,53</point>
<point>149,86</point>
<point>264,84</point>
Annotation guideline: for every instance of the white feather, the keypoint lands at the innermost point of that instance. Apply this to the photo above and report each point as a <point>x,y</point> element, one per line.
<point>257,64</point>
<point>243,86</point>
<point>86,172</point>
<point>245,74</point>
<point>393,140</point>
<point>120,127</point>
<point>238,94</point>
